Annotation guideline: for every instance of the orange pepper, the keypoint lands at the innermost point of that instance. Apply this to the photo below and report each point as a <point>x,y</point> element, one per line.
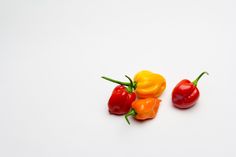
<point>143,109</point>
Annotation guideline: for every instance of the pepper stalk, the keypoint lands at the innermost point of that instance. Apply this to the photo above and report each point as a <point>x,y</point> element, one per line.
<point>198,78</point>
<point>130,113</point>
<point>131,85</point>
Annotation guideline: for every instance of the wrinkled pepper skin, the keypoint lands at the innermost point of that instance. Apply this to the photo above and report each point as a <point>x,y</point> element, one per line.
<point>143,109</point>
<point>185,94</point>
<point>146,108</point>
<point>120,100</point>
<point>149,84</point>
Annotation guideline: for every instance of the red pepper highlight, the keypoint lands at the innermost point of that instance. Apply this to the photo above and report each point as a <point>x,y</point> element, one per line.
<point>121,99</point>
<point>185,94</point>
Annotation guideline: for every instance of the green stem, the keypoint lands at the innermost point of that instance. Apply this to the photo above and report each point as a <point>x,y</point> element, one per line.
<point>130,87</point>
<point>197,79</point>
<point>116,81</point>
<point>130,113</point>
<point>130,80</point>
<point>133,84</point>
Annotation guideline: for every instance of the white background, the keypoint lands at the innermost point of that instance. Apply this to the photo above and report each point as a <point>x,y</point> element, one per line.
<point>53,53</point>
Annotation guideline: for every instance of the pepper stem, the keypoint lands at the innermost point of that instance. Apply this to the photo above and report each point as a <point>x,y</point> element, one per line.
<point>197,79</point>
<point>130,87</point>
<point>130,113</point>
<point>116,81</point>
<point>130,84</point>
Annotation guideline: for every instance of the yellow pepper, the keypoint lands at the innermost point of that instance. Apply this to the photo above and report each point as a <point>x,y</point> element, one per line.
<point>146,84</point>
<point>149,84</point>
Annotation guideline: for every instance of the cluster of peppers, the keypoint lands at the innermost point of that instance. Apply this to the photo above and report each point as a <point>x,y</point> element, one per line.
<point>139,97</point>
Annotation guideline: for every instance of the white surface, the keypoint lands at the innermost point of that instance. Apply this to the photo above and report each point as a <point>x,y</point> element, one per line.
<point>53,101</point>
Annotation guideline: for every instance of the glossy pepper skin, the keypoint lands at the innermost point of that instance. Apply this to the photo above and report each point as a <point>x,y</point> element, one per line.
<point>146,84</point>
<point>185,94</point>
<point>143,109</point>
<point>120,100</point>
<point>149,84</point>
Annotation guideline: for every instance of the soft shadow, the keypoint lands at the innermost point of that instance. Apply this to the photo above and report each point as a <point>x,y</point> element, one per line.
<point>193,108</point>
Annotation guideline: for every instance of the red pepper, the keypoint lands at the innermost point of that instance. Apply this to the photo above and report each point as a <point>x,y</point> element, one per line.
<point>121,99</point>
<point>185,94</point>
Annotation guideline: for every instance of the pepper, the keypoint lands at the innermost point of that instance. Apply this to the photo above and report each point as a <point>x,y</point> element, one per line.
<point>121,99</point>
<point>149,84</point>
<point>143,109</point>
<point>185,94</point>
<point>146,84</point>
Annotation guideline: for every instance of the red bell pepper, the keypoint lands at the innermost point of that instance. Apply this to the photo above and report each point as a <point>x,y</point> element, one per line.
<point>121,99</point>
<point>185,94</point>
